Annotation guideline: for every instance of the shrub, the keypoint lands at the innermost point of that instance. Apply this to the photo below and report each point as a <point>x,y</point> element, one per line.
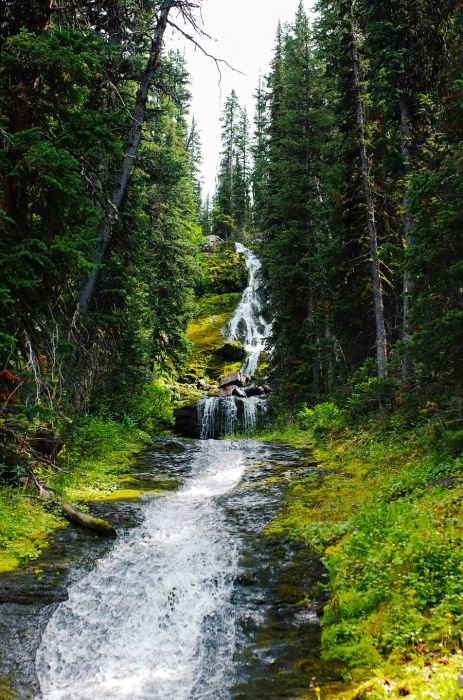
<point>321,418</point>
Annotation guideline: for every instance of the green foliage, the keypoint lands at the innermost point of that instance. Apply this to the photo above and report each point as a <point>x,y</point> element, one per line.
<point>310,196</point>
<point>384,508</point>
<point>222,271</point>
<point>321,418</point>
<point>151,409</point>
<point>24,527</point>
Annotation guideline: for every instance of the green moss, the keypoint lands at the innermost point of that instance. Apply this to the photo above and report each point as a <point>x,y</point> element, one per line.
<point>6,693</point>
<point>205,332</point>
<point>385,510</point>
<point>94,464</point>
<point>24,527</point>
<point>224,270</point>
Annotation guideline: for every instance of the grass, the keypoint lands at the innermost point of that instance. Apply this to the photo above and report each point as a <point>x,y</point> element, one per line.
<point>385,511</point>
<point>24,527</point>
<point>94,467</point>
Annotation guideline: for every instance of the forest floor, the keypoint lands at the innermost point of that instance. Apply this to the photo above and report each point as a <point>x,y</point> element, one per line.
<point>94,466</point>
<point>385,511</point>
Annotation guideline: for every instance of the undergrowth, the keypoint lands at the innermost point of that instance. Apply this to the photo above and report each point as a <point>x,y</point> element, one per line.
<point>384,509</point>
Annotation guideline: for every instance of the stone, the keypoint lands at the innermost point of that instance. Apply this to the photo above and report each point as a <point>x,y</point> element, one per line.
<point>186,421</point>
<point>254,390</point>
<point>227,391</point>
<point>233,378</point>
<point>237,391</point>
<point>232,351</point>
<point>212,242</point>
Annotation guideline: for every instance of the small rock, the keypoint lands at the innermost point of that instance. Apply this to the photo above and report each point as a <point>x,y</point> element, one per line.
<point>227,391</point>
<point>254,390</point>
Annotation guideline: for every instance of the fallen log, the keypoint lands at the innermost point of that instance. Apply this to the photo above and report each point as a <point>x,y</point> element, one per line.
<point>88,521</point>
<point>98,525</point>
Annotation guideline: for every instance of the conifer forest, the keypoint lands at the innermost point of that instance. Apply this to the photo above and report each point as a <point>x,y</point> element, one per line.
<point>231,417</point>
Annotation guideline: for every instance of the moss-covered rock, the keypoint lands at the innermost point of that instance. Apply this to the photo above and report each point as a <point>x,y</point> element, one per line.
<point>205,333</point>
<point>231,350</point>
<point>224,270</point>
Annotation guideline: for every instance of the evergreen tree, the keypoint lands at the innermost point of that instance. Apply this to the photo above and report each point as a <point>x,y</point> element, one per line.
<point>231,210</point>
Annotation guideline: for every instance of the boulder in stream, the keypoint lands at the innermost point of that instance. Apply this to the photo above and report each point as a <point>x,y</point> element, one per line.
<point>227,391</point>
<point>254,390</point>
<point>186,421</point>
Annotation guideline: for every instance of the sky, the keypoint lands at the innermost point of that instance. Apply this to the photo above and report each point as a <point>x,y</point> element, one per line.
<point>244,35</point>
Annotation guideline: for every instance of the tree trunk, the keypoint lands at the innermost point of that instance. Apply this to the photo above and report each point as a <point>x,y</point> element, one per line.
<point>381,337</point>
<point>407,363</point>
<point>133,142</point>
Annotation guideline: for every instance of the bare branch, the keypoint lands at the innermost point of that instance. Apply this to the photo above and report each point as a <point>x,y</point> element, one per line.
<point>216,60</point>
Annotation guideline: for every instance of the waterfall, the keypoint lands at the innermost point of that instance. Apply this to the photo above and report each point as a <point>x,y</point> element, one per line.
<point>206,417</point>
<point>254,408</point>
<point>223,416</point>
<point>247,325</point>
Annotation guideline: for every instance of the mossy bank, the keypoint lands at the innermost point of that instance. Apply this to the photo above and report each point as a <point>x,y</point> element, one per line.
<point>384,510</point>
<point>94,465</point>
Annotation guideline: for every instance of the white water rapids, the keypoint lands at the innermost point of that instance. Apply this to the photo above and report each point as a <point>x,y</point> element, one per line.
<point>154,620</point>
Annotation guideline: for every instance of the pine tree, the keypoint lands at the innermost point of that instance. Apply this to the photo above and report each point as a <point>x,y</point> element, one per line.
<point>232,207</point>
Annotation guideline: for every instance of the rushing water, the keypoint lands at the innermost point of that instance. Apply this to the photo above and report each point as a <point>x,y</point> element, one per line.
<point>223,416</point>
<point>186,605</point>
<point>139,625</point>
<point>163,615</point>
<point>248,325</point>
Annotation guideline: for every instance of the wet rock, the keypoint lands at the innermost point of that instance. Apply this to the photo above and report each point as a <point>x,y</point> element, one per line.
<point>227,391</point>
<point>233,378</point>
<point>240,393</point>
<point>186,421</point>
<point>246,580</point>
<point>254,390</point>
<point>232,351</point>
<point>202,384</point>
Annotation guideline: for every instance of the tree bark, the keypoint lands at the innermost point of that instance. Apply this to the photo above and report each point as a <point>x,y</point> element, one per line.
<point>378,295</point>
<point>128,163</point>
<point>407,363</point>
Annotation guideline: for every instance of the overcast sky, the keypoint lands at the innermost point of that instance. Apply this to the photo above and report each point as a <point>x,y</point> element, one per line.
<point>244,33</point>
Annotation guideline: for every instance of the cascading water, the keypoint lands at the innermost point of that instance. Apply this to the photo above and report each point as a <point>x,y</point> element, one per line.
<point>247,325</point>
<point>154,619</point>
<point>219,416</point>
<point>192,603</point>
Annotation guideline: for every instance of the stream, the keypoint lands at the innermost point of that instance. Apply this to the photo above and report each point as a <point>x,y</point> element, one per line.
<point>194,601</point>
